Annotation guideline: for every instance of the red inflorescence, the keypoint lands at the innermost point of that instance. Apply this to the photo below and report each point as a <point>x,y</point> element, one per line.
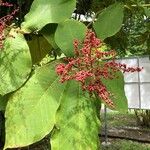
<point>5,21</point>
<point>6,4</point>
<point>88,67</point>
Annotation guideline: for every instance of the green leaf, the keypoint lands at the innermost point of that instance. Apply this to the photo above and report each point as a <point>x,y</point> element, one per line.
<point>147,11</point>
<point>116,87</point>
<point>77,124</point>
<point>67,32</point>
<point>43,12</point>
<point>48,32</point>
<point>30,112</point>
<point>39,47</point>
<point>15,63</point>
<point>3,102</point>
<point>109,21</point>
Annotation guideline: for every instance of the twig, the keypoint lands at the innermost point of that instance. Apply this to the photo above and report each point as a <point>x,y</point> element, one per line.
<point>144,5</point>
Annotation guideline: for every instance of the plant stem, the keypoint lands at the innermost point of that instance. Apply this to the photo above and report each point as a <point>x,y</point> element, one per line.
<point>144,5</point>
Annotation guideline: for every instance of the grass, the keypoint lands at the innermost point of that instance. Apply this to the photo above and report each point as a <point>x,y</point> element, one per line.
<point>126,145</point>
<point>118,120</point>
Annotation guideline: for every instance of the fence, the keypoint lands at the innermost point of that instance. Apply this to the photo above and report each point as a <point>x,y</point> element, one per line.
<point>137,84</point>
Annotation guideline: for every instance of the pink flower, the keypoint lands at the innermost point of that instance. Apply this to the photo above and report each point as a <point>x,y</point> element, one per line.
<point>5,21</point>
<point>60,69</point>
<point>88,69</point>
<point>82,75</point>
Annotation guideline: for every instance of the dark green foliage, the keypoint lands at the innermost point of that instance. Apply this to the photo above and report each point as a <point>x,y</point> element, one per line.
<point>134,36</point>
<point>143,117</point>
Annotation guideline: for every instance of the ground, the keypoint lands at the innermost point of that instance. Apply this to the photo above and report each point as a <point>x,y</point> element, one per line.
<point>121,128</point>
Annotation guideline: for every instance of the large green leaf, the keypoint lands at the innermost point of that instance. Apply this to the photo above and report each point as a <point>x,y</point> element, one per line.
<point>43,12</point>
<point>77,124</point>
<point>30,112</point>
<point>66,33</point>
<point>109,21</point>
<point>48,32</point>
<point>116,87</point>
<point>15,63</point>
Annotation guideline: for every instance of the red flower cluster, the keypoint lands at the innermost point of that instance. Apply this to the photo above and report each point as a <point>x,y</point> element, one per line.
<point>89,68</point>
<point>4,21</point>
<point>6,4</point>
